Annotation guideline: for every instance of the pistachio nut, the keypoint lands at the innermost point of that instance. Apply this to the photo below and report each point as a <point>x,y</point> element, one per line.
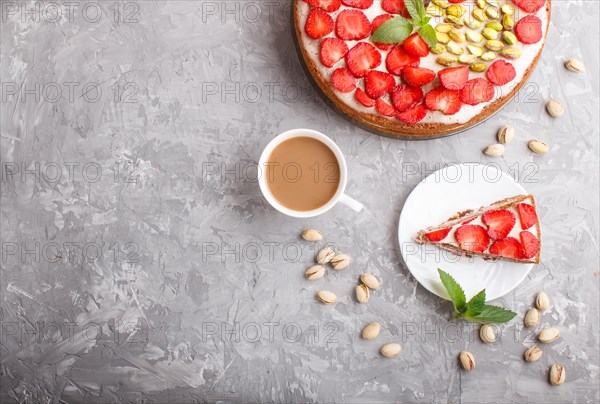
<point>315,272</point>
<point>489,33</point>
<point>442,37</point>
<point>390,350</point>
<point>509,37</point>
<point>467,360</point>
<point>481,4</point>
<point>511,53</point>
<point>478,67</point>
<point>472,23</point>
<point>508,22</point>
<point>325,255</point>
<point>542,301</point>
<point>327,297</point>
<point>532,318</point>
<point>371,330</point>
<point>493,3</point>
<point>312,235</point>
<point>456,10</point>
<point>370,281</point>
<point>538,147</point>
<point>495,25</point>
<point>507,9</point>
<point>494,150</point>
<point>474,36</point>
<point>446,60</point>
<point>467,59</point>
<point>548,335</point>
<point>441,3</point>
<point>506,134</point>
<point>340,261</point>
<point>434,11</point>
<point>437,49</point>
<point>362,293</point>
<point>457,22</point>
<point>555,109</point>
<point>492,12</point>
<point>486,333</point>
<point>455,48</point>
<point>475,50</point>
<point>575,65</point>
<point>533,354</point>
<point>487,56</point>
<point>557,374</point>
<point>457,35</point>
<point>494,45</point>
<point>443,27</point>
<point>479,15</point>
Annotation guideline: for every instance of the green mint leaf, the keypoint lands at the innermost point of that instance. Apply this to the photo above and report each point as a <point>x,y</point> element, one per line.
<point>491,314</point>
<point>476,303</point>
<point>454,290</point>
<point>428,34</point>
<point>394,30</point>
<point>416,9</point>
<point>426,20</point>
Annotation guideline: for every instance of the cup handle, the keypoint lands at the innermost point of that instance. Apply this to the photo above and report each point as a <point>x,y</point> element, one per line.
<point>351,203</point>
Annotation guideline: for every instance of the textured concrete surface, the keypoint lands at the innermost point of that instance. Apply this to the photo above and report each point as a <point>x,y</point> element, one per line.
<point>141,264</point>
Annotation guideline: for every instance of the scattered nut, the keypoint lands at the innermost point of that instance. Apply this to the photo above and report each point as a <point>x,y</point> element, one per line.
<point>557,374</point>
<point>312,235</point>
<point>548,335</point>
<point>494,150</point>
<point>362,293</point>
<point>542,301</point>
<point>467,360</point>
<point>538,147</point>
<point>532,318</point>
<point>326,296</point>
<point>340,261</point>
<point>555,109</point>
<point>390,350</point>
<point>325,255</point>
<point>506,134</point>
<point>486,333</point>
<point>315,272</point>
<point>533,354</point>
<point>371,331</point>
<point>370,281</point>
<point>575,65</point>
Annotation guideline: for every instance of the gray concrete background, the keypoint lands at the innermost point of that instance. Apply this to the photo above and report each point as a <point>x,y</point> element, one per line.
<point>152,270</point>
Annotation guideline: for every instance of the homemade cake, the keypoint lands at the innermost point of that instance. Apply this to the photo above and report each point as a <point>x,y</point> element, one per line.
<point>483,52</point>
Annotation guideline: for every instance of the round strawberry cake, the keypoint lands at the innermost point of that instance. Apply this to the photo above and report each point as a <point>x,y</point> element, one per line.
<point>420,69</point>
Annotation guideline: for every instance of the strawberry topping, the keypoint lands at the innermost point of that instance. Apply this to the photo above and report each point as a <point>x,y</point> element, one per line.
<point>530,6</point>
<point>445,101</point>
<point>352,25</point>
<point>477,91</point>
<point>343,80</point>
<point>509,247</point>
<point>530,243</point>
<point>363,98</point>
<point>377,21</point>
<point>456,1</point>
<point>332,50</point>
<point>438,235</point>
<point>327,5</point>
<point>416,46</point>
<point>395,7</point>
<point>378,83</point>
<point>405,97</point>
<point>318,23</point>
<point>362,58</point>
<point>362,4</point>
<point>398,59</point>
<point>501,72</point>
<point>529,29</point>
<point>417,76</point>
<point>499,222</point>
<point>454,78</point>
<point>384,108</point>
<point>527,215</point>
<point>472,237</point>
<point>413,115</point>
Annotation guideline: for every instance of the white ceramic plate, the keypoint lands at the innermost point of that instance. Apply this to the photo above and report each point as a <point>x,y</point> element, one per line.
<point>434,200</point>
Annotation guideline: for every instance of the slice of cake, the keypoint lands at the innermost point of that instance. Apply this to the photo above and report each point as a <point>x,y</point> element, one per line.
<point>508,230</point>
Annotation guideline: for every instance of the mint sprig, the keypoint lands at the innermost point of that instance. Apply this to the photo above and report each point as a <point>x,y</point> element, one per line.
<point>397,29</point>
<point>474,310</point>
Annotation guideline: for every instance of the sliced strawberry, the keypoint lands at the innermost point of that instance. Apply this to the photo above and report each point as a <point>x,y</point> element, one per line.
<point>472,237</point>
<point>529,29</point>
<point>327,5</point>
<point>468,221</point>
<point>527,215</point>
<point>405,97</point>
<point>530,243</point>
<point>530,6</point>
<point>378,83</point>
<point>499,222</point>
<point>416,46</point>
<point>362,4</point>
<point>454,78</point>
<point>509,247</point>
<point>398,59</point>
<point>352,25</point>
<point>445,101</point>
<point>501,72</point>
<point>343,80</point>
<point>456,1</point>
<point>318,23</point>
<point>477,91</point>
<point>332,50</point>
<point>417,76</point>
<point>395,7</point>
<point>438,235</point>
<point>377,21</point>
<point>363,98</point>
<point>413,115</point>
<point>362,58</point>
<point>384,108</point>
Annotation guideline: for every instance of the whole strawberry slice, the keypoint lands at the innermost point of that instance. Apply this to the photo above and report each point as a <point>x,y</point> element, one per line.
<point>416,46</point>
<point>318,24</point>
<point>363,98</point>
<point>332,50</point>
<point>352,25</point>
<point>445,101</point>
<point>438,235</point>
<point>384,108</point>
<point>405,97</point>
<point>417,76</point>
<point>477,91</point>
<point>413,115</point>
<point>527,215</point>
<point>327,5</point>
<point>398,59</point>
<point>509,247</point>
<point>530,6</point>
<point>377,21</point>
<point>530,243</point>
<point>472,237</point>
<point>529,29</point>
<point>362,4</point>
<point>395,7</point>
<point>378,83</point>
<point>454,78</point>
<point>501,72</point>
<point>343,80</point>
<point>362,58</point>
<point>499,222</point>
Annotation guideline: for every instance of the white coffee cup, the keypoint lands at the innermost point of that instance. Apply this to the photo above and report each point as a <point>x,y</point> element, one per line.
<point>339,196</point>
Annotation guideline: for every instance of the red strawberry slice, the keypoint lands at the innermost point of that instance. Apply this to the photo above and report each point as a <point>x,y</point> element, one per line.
<point>445,101</point>
<point>327,5</point>
<point>377,21</point>
<point>395,7</point>
<point>472,237</point>
<point>398,59</point>
<point>501,72</point>
<point>529,29</point>
<point>363,98</point>
<point>416,46</point>
<point>378,83</point>
<point>343,80</point>
<point>527,215</point>
<point>438,235</point>
<point>332,50</point>
<point>530,6</point>
<point>413,115</point>
<point>499,222</point>
<point>456,1</point>
<point>468,221</point>
<point>362,58</point>
<point>509,247</point>
<point>454,78</point>
<point>477,91</point>
<point>417,76</point>
<point>352,25</point>
<point>318,24</point>
<point>405,97</point>
<point>384,108</point>
<point>362,4</point>
<point>530,243</point>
